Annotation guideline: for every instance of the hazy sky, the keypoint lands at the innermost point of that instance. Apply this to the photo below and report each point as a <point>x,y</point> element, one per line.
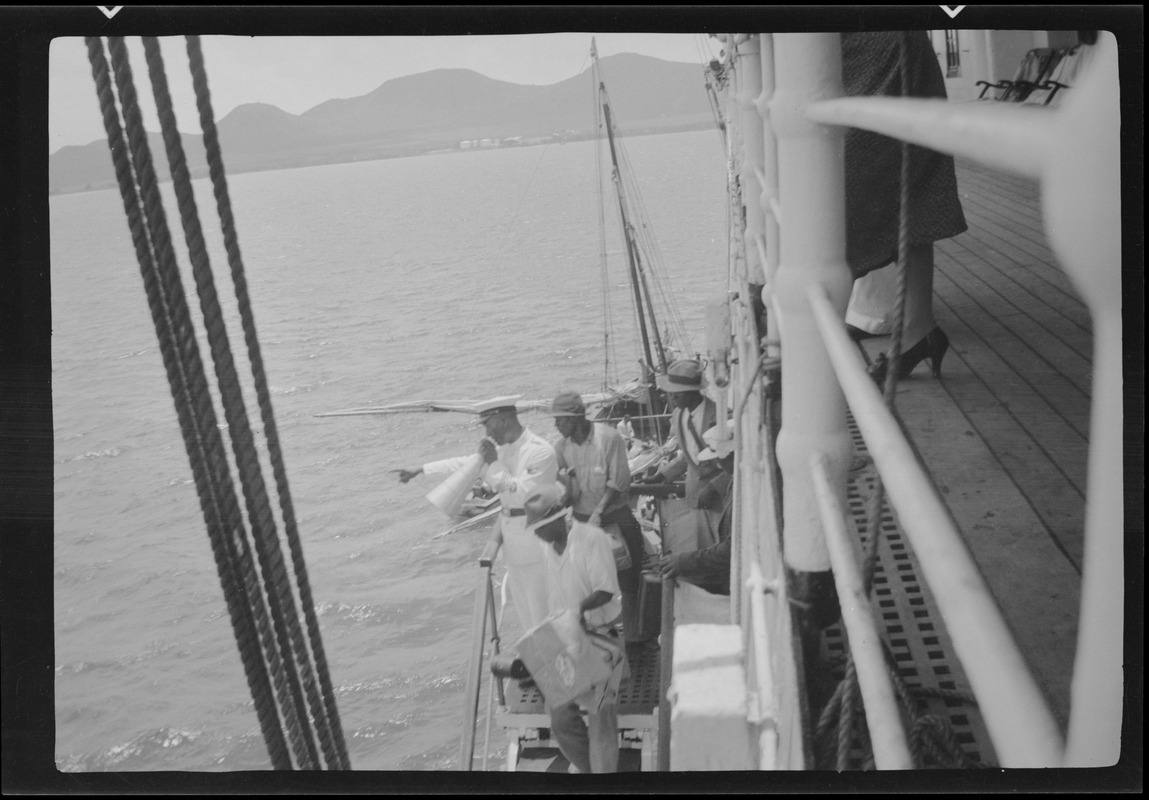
<point>298,73</point>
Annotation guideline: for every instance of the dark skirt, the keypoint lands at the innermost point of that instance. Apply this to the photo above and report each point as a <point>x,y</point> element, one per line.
<point>873,162</point>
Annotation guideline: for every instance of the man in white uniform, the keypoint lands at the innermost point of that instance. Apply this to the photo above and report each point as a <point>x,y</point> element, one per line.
<point>516,464</point>
<point>581,573</point>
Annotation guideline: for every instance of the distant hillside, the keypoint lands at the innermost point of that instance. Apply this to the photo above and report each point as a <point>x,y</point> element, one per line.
<point>420,113</point>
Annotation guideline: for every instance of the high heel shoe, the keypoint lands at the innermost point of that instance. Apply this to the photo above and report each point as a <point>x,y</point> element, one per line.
<point>932,346</point>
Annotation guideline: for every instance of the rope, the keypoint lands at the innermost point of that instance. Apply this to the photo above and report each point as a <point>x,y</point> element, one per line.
<point>200,397</point>
<point>331,734</point>
<point>181,362</point>
<point>273,650</point>
<point>243,446</point>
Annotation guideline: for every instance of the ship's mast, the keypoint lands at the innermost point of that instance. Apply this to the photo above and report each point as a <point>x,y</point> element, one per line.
<point>637,281</point>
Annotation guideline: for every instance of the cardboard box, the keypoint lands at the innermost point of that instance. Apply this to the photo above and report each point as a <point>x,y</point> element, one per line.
<point>565,662</point>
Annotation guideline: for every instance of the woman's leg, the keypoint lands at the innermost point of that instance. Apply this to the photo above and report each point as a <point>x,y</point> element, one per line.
<point>919,309</point>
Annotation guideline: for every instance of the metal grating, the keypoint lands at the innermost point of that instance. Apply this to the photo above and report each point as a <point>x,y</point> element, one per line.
<point>637,695</point>
<point>913,627</point>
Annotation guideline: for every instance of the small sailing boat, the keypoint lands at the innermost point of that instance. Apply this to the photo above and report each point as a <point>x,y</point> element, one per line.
<point>639,399</point>
<point>520,709</point>
<point>636,400</point>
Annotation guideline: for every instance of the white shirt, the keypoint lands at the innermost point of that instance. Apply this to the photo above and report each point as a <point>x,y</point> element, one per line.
<point>520,467</point>
<point>585,567</point>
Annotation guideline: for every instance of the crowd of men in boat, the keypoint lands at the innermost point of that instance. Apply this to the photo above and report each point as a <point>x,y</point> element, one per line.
<point>572,544</point>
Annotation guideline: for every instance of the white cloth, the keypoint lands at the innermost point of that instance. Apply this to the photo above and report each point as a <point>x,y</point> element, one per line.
<point>527,585</point>
<point>520,467</point>
<point>871,306</point>
<point>584,567</point>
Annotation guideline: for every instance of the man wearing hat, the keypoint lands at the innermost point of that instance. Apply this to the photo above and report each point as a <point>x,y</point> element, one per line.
<point>706,483</point>
<point>517,462</point>
<point>708,567</point>
<point>593,463</point>
<point>581,573</point>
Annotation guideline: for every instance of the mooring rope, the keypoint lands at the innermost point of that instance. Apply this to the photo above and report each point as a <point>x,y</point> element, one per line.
<point>270,657</point>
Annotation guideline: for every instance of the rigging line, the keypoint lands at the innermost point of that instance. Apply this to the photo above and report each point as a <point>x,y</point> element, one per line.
<point>173,349</point>
<point>602,121</point>
<point>654,260</point>
<point>280,601</point>
<point>219,182</point>
<point>672,317</point>
<point>624,226</point>
<point>609,356</point>
<point>271,557</point>
<point>215,446</point>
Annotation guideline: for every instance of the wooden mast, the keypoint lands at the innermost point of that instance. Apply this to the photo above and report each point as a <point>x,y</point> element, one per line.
<point>637,279</point>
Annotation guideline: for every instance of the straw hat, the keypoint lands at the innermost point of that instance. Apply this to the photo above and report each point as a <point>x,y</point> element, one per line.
<point>568,404</point>
<point>545,504</point>
<point>684,375</point>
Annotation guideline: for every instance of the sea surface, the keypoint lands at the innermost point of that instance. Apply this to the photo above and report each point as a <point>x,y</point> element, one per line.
<point>441,277</point>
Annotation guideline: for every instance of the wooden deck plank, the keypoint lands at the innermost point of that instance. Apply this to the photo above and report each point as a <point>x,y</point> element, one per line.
<point>1022,336</point>
<point>1055,494</point>
<point>1061,313</point>
<point>989,351</point>
<point>1037,587</point>
<point>991,238</point>
<point>1007,216</point>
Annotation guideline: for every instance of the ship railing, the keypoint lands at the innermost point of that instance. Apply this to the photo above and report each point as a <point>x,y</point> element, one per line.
<point>1072,151</point>
<point>484,615</point>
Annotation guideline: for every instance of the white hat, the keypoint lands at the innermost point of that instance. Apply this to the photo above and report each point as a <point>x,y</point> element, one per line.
<point>488,407</point>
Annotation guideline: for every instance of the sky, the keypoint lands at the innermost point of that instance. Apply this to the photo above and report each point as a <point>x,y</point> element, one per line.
<point>297,73</point>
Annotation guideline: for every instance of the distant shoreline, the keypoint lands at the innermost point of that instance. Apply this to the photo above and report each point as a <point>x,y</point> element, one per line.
<point>319,158</point>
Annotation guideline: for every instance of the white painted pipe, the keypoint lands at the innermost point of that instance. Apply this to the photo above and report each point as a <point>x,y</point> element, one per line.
<point>883,718</point>
<point>1004,136</point>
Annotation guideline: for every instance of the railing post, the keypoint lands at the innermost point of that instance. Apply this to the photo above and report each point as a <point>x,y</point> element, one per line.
<point>1081,193</point>
<point>751,163</point>
<point>483,599</point>
<point>769,197</point>
<point>808,68</point>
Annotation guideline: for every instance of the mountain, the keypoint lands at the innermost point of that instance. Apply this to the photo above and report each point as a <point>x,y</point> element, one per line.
<point>420,113</point>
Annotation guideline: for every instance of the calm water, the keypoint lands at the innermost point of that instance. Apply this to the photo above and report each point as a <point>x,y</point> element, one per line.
<point>454,276</point>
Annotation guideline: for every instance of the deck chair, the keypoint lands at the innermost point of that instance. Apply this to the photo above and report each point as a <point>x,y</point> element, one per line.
<point>1036,64</point>
<point>1070,67</point>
